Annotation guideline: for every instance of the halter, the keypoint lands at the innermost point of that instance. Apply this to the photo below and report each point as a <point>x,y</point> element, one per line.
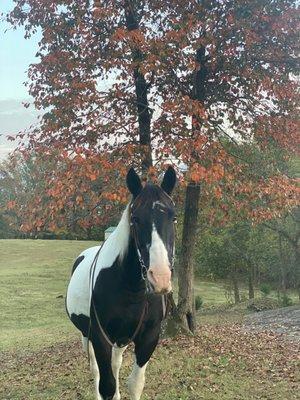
<point>104,334</point>
<point>144,277</point>
<point>144,268</point>
<point>141,261</point>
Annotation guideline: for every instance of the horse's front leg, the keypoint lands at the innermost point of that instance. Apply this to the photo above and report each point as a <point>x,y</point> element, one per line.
<point>116,362</point>
<point>94,369</point>
<point>102,366</point>
<point>145,345</point>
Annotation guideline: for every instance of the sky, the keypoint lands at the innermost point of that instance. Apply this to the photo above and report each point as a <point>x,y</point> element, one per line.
<point>16,54</point>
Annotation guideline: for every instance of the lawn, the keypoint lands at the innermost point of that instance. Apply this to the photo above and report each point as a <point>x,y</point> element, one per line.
<point>34,275</point>
<point>41,357</point>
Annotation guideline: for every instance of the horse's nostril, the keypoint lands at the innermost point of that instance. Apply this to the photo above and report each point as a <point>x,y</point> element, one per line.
<point>152,275</point>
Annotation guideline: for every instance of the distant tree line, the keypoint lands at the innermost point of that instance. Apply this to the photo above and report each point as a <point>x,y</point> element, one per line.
<point>252,255</point>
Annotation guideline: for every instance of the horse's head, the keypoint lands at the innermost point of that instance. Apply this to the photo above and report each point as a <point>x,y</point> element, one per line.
<point>152,218</point>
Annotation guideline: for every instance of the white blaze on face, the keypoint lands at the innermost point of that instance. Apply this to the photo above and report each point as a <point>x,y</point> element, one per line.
<point>159,273</point>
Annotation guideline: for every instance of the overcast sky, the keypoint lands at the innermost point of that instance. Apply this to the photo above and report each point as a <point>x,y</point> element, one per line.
<point>16,54</point>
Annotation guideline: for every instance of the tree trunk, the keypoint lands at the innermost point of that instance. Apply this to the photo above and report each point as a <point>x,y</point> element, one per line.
<point>297,266</point>
<point>251,272</point>
<point>141,91</point>
<point>294,242</point>
<point>235,284</point>
<point>282,262</point>
<point>186,303</point>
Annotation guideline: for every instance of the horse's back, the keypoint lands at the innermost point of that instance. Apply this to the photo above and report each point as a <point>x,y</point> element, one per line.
<point>78,292</point>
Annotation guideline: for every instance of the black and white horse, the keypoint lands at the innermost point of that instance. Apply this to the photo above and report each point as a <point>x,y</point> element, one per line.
<point>115,294</point>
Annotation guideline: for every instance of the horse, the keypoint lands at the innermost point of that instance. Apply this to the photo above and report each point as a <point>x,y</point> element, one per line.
<point>116,294</point>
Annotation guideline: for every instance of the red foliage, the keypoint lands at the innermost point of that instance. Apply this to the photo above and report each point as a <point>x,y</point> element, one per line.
<point>86,79</point>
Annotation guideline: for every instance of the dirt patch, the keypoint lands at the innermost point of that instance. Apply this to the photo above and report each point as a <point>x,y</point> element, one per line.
<point>283,321</point>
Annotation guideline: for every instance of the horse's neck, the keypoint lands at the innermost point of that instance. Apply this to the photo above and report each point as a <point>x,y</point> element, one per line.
<point>132,269</point>
<point>127,254</point>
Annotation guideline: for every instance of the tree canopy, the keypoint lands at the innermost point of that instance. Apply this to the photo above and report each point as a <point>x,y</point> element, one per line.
<point>127,79</point>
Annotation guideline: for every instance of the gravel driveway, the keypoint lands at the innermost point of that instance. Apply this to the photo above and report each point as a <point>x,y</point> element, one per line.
<point>285,321</point>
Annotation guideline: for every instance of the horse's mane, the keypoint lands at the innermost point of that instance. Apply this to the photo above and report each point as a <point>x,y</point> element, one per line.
<point>116,244</point>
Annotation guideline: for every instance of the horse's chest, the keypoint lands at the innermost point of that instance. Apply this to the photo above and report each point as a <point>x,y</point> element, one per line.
<point>120,312</point>
<point>121,323</point>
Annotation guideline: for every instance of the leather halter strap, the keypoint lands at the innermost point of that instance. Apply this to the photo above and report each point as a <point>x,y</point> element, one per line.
<point>104,334</point>
<point>144,277</point>
<point>141,261</point>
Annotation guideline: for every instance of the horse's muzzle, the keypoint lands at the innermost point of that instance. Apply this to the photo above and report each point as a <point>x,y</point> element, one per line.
<point>160,280</point>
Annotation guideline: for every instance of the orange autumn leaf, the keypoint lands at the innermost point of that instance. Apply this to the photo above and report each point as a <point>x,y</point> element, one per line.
<point>11,204</point>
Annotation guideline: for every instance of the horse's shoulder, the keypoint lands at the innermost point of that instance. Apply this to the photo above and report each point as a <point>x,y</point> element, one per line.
<point>84,255</point>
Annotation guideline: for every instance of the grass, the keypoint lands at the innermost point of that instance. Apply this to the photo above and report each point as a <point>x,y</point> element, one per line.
<point>33,276</point>
<point>41,357</point>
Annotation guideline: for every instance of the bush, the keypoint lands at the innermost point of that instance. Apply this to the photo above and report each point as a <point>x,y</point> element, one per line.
<point>198,302</point>
<point>286,301</point>
<point>265,288</point>
<point>243,297</point>
<point>263,304</point>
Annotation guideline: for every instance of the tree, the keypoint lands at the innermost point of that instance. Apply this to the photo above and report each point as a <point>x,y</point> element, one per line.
<point>288,229</point>
<point>245,54</point>
<point>226,253</point>
<point>29,202</point>
<point>180,77</point>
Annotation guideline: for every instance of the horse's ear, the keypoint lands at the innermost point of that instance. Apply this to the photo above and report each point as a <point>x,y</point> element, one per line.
<point>169,180</point>
<point>133,182</point>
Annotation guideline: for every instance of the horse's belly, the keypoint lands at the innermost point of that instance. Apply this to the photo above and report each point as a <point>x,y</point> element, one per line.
<point>78,292</point>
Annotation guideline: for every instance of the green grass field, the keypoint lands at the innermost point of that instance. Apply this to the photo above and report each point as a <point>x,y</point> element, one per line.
<point>34,275</point>
<point>41,357</point>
